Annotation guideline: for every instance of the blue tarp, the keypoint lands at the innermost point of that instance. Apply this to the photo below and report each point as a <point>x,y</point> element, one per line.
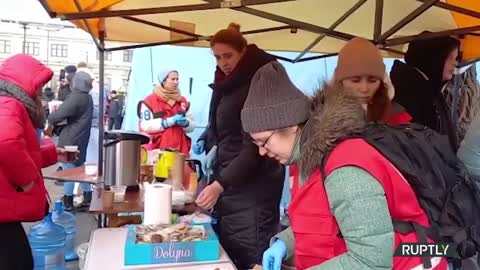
<point>196,67</point>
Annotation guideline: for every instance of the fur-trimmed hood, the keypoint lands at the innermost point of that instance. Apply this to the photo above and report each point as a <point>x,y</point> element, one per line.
<point>336,114</point>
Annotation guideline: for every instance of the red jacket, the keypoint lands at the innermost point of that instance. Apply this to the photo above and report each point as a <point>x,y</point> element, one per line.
<point>172,137</point>
<point>315,228</point>
<point>21,157</point>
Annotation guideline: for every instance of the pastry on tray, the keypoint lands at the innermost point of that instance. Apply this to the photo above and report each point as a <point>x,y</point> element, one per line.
<point>169,233</point>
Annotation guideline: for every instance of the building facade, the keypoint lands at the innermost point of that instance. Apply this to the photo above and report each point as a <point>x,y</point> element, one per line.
<point>59,45</point>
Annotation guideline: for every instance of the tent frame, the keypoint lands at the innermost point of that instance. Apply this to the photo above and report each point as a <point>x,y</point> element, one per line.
<point>382,40</point>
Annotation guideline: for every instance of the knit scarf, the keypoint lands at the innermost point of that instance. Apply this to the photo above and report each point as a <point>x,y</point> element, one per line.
<point>35,111</point>
<point>170,96</point>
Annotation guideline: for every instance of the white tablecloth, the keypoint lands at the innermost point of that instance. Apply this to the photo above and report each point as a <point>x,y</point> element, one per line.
<point>106,252</point>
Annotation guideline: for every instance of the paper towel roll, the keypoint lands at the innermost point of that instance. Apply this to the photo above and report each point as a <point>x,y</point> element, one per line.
<point>158,204</point>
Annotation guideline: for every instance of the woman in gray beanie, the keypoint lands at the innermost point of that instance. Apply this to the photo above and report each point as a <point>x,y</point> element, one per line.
<point>343,219</point>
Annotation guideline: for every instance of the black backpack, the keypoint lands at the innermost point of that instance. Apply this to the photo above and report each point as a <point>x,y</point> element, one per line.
<point>440,180</point>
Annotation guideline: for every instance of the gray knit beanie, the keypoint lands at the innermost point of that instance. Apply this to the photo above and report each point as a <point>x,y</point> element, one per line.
<point>273,101</point>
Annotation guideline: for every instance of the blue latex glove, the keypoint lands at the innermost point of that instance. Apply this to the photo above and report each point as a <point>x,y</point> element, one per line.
<point>210,159</point>
<point>177,119</point>
<point>273,256</point>
<point>169,122</point>
<point>199,147</point>
<point>181,120</point>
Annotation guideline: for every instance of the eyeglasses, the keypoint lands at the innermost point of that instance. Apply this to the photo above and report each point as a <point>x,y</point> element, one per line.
<point>264,144</point>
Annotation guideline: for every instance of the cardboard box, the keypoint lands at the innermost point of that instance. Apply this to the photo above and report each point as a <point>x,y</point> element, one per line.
<point>171,252</point>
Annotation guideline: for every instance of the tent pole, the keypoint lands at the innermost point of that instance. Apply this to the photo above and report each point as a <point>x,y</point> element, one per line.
<point>410,17</point>
<point>453,32</point>
<point>282,58</point>
<point>45,5</point>
<point>101,106</point>
<point>87,23</point>
<point>323,56</point>
<point>158,10</point>
<point>151,66</point>
<point>377,31</point>
<point>193,39</point>
<point>332,27</point>
<point>296,24</point>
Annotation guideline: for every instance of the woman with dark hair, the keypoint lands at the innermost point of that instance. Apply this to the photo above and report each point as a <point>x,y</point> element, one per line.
<point>419,82</point>
<point>247,188</point>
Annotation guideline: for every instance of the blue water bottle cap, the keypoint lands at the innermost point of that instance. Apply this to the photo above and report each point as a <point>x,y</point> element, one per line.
<point>58,206</point>
<point>48,217</point>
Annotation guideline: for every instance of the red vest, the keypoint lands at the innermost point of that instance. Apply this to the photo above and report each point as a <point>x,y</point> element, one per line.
<point>314,226</point>
<point>173,137</point>
<point>399,118</point>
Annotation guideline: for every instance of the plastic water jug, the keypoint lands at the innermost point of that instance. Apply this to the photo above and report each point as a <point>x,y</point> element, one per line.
<point>69,223</point>
<point>47,241</point>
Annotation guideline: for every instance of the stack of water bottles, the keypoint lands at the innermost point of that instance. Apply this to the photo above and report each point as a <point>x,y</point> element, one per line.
<point>53,240</point>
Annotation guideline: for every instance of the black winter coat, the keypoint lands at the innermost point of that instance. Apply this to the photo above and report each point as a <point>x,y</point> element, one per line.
<point>248,209</point>
<point>77,109</point>
<point>418,85</point>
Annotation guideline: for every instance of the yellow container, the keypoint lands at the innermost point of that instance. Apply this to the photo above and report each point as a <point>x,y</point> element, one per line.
<point>143,155</point>
<point>165,162</point>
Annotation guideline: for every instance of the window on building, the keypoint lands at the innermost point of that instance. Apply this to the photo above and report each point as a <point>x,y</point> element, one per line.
<point>127,56</point>
<point>59,50</point>
<point>32,48</point>
<point>106,55</point>
<point>4,46</point>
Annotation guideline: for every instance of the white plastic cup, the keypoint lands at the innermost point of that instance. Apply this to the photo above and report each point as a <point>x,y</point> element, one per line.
<point>91,170</point>
<point>119,193</point>
<point>71,148</point>
<point>178,198</point>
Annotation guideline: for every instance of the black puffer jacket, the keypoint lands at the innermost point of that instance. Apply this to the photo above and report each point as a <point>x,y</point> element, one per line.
<point>248,209</point>
<point>418,84</point>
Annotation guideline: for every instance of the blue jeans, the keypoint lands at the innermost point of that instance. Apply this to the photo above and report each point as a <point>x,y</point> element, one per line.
<point>68,187</point>
<point>92,147</point>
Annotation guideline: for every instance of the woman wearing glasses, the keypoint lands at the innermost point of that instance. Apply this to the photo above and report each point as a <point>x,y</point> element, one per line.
<point>341,217</point>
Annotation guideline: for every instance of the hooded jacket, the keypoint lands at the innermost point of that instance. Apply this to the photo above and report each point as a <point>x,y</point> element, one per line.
<point>249,216</point>
<point>418,84</point>
<point>21,157</point>
<point>77,109</point>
